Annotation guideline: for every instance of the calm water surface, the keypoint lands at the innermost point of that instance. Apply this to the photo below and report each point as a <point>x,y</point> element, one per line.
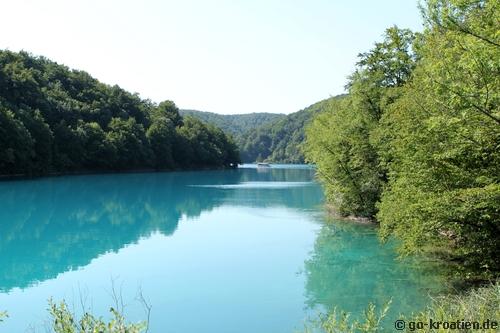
<point>244,250</point>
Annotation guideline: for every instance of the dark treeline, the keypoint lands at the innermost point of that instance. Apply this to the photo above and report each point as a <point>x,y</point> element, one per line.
<point>53,119</point>
<point>416,144</point>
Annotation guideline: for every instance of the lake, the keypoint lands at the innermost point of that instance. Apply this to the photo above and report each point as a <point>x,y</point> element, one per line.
<point>245,250</point>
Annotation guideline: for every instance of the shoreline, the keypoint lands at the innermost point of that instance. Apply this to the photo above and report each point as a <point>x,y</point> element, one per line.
<point>331,212</point>
<point>103,172</point>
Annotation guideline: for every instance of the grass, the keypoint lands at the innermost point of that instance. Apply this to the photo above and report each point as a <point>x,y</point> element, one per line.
<point>476,306</point>
<point>64,322</point>
<point>340,322</point>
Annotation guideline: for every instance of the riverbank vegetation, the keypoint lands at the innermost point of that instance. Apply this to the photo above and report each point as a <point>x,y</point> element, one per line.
<point>53,119</point>
<point>479,307</point>
<point>416,144</point>
<point>341,321</point>
<point>64,321</point>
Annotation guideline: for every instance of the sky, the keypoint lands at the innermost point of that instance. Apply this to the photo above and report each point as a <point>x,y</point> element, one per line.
<point>224,56</point>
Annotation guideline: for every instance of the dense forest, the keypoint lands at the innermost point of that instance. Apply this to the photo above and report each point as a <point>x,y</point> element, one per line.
<point>280,140</point>
<point>416,144</point>
<point>53,119</point>
<point>269,137</point>
<point>234,124</point>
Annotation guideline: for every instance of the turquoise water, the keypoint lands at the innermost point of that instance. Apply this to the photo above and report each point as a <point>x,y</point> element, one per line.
<point>244,250</point>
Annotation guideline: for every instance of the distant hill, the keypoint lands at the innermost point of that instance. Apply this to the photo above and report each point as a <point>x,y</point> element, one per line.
<point>280,140</point>
<point>235,124</point>
<point>270,137</point>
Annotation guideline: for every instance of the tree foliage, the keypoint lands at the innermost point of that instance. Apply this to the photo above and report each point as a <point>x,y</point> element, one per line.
<point>343,141</point>
<point>267,137</point>
<point>53,119</point>
<point>280,141</point>
<point>417,142</point>
<point>235,124</point>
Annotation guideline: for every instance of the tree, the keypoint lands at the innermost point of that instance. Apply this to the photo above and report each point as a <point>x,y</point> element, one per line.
<point>343,141</point>
<point>169,110</point>
<point>161,135</point>
<point>443,139</point>
<point>97,149</point>
<point>43,140</point>
<point>69,147</point>
<point>56,120</point>
<point>129,142</point>
<point>16,145</point>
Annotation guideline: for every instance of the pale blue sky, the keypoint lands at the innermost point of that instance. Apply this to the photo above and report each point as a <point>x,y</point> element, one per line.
<point>222,56</point>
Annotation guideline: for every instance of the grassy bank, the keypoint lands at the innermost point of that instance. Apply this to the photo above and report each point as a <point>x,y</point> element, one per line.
<point>480,307</point>
<point>477,310</point>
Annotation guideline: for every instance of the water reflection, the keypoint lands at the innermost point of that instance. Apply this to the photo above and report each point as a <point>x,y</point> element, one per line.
<point>350,268</point>
<point>49,226</point>
<point>228,242</point>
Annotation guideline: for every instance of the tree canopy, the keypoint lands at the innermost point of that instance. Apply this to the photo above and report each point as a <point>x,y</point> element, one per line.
<point>235,124</point>
<point>53,119</point>
<point>416,144</point>
<point>280,141</point>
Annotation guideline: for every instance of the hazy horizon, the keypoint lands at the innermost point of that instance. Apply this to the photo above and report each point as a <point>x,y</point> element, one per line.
<point>226,57</point>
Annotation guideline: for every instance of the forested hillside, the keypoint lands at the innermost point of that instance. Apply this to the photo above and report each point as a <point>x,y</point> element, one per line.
<point>416,144</point>
<point>266,136</point>
<point>53,119</point>
<point>280,141</point>
<point>235,124</point>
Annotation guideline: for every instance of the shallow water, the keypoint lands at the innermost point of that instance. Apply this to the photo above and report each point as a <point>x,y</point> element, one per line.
<point>244,250</point>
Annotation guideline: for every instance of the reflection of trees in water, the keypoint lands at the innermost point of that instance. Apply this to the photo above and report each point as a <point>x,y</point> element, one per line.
<point>49,226</point>
<point>52,225</point>
<point>349,268</point>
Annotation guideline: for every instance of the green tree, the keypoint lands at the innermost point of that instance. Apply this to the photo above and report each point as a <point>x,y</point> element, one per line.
<point>69,147</point>
<point>169,110</point>
<point>97,149</point>
<point>343,141</point>
<point>338,143</point>
<point>417,141</point>
<point>16,145</point>
<point>442,141</point>
<point>161,135</point>
<point>43,140</point>
<point>57,119</point>
<point>130,143</point>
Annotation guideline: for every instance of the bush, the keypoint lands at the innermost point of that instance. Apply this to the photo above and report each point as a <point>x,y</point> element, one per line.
<point>65,322</point>
<point>339,321</point>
